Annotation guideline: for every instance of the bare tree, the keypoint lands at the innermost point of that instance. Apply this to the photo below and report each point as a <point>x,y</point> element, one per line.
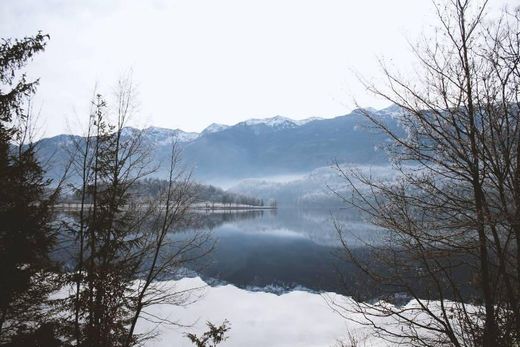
<point>125,243</point>
<point>168,253</point>
<point>108,228</point>
<point>453,208</point>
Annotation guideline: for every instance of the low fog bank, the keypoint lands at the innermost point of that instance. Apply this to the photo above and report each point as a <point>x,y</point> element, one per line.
<point>320,188</point>
<point>227,183</point>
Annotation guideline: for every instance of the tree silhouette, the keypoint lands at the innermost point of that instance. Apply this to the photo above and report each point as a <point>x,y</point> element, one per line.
<point>26,235</point>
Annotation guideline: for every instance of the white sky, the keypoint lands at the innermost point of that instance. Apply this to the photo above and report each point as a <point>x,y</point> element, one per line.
<point>202,61</point>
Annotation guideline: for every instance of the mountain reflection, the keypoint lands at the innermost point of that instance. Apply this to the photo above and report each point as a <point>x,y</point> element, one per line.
<point>291,249</point>
<point>316,225</point>
<point>278,251</point>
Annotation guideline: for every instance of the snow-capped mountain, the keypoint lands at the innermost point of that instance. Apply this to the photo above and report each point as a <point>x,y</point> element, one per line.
<point>274,122</point>
<point>392,111</point>
<point>163,136</point>
<point>259,147</point>
<point>214,128</point>
<point>278,122</point>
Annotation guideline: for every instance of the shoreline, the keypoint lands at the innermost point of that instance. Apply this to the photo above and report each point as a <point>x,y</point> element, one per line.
<point>194,207</point>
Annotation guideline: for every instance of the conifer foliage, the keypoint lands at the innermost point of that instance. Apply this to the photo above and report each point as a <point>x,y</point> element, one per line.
<point>26,235</point>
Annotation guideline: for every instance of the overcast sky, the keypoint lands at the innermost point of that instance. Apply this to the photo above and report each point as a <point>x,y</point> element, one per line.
<point>196,62</point>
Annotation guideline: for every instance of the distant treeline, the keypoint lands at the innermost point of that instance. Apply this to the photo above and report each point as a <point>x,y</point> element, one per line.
<point>150,188</point>
<point>209,193</point>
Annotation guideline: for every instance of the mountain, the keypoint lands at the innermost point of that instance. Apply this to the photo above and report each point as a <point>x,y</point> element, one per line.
<point>213,128</point>
<point>278,122</point>
<point>278,146</point>
<point>256,147</point>
<point>162,136</point>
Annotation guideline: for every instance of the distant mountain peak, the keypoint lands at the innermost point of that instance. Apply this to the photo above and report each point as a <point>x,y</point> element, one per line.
<point>166,136</point>
<point>393,111</point>
<point>278,122</point>
<point>214,128</point>
<point>274,122</point>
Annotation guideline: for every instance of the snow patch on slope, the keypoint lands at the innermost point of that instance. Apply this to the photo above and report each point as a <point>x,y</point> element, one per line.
<point>278,122</point>
<point>214,128</point>
<point>163,136</point>
<point>274,122</point>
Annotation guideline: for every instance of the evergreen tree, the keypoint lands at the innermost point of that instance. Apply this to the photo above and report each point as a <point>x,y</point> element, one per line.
<point>26,236</point>
<point>123,240</point>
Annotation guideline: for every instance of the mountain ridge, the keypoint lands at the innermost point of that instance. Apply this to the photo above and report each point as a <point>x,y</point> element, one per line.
<point>276,121</point>
<point>259,147</point>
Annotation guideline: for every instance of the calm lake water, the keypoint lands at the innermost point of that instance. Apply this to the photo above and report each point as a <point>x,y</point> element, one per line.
<point>284,249</point>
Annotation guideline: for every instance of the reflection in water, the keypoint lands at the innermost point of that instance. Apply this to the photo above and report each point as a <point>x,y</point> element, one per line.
<point>211,219</point>
<point>295,248</point>
<point>282,249</point>
<point>311,224</point>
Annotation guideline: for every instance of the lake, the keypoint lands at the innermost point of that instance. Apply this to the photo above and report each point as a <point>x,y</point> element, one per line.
<point>283,249</point>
